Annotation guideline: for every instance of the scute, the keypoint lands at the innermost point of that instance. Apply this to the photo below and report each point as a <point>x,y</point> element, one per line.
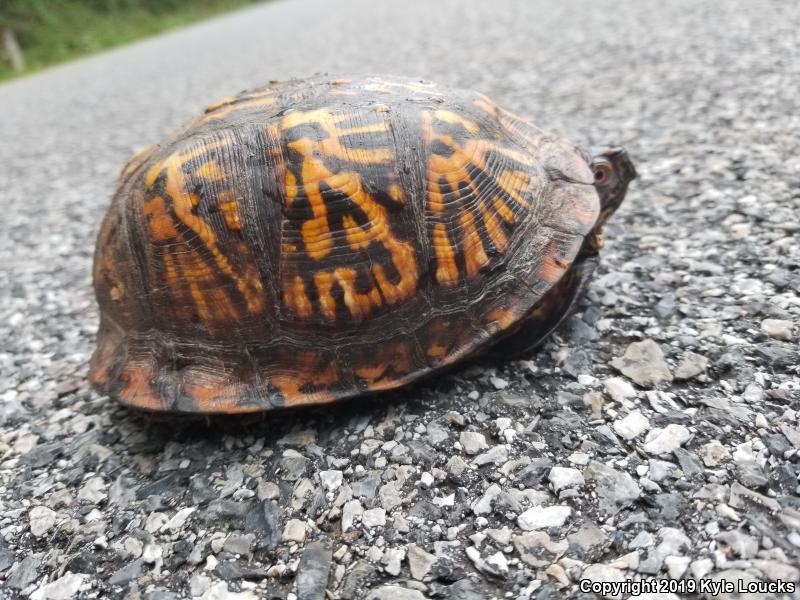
<point>319,239</point>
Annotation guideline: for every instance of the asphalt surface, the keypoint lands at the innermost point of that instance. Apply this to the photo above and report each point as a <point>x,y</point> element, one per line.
<point>656,436</point>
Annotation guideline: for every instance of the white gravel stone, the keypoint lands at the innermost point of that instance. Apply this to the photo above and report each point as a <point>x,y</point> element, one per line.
<point>632,425</point>
<point>295,531</point>
<point>618,389</point>
<point>219,591</point>
<point>63,588</point>
<point>93,491</point>
<point>374,517</point>
<point>714,453</point>
<point>539,517</point>
<point>677,565</point>
<point>644,363</point>
<point>565,477</point>
<point>331,480</point>
<point>499,383</point>
<point>393,559</point>
<point>664,441</point>
<point>419,561</point>
<point>395,592</point>
<point>604,574</point>
<point>483,505</point>
<point>472,442</point>
<point>495,455</point>
<point>779,329</point>
<point>179,519</point>
<point>691,365</point>
<point>351,511</point>
<point>426,480</point>
<point>42,520</point>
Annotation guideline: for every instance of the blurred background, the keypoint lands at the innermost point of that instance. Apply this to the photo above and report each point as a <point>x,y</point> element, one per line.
<point>40,33</point>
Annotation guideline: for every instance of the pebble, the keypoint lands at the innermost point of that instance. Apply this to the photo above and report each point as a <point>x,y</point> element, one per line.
<point>393,560</point>
<point>498,383</point>
<point>42,520</point>
<point>538,517</point>
<point>395,592</point>
<point>778,329</point>
<point>643,363</point>
<point>604,574</point>
<point>331,480</point>
<point>666,440</point>
<point>351,511</point>
<point>495,455</point>
<point>93,491</point>
<point>632,425</point>
<point>313,571</point>
<point>714,453</point>
<point>472,442</point>
<point>295,531</point>
<point>615,489</point>
<point>565,477</point>
<point>65,587</point>
<point>374,517</point>
<point>690,366</point>
<point>537,549</point>
<point>619,389</point>
<point>419,561</point>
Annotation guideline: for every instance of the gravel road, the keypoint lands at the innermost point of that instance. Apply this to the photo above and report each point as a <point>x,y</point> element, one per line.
<point>655,436</point>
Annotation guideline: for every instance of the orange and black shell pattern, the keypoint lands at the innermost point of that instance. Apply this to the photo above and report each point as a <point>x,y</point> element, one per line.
<point>320,239</point>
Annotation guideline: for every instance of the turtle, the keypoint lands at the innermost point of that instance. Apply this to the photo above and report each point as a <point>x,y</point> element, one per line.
<point>324,238</point>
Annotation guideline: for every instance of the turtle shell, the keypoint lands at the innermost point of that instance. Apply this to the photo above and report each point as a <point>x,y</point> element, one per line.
<point>320,239</point>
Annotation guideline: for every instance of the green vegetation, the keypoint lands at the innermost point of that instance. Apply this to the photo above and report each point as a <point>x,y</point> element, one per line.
<point>38,33</point>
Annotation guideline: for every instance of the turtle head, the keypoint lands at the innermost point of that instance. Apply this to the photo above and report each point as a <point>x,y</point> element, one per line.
<point>613,171</point>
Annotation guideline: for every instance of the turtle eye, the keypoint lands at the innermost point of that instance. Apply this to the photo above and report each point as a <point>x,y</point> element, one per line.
<point>602,172</point>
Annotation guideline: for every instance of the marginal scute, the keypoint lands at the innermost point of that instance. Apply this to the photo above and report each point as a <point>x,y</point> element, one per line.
<point>320,239</point>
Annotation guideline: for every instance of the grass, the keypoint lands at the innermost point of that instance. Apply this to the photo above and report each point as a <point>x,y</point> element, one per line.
<point>74,29</point>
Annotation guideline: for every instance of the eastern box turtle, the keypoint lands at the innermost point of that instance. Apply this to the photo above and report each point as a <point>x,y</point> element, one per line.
<point>319,239</point>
